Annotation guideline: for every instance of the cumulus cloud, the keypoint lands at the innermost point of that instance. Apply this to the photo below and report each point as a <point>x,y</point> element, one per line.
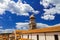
<point>49,13</point>
<point>45,3</point>
<point>48,17</point>
<point>41,25</point>
<point>3,5</point>
<point>24,26</point>
<point>6,30</point>
<point>57,24</point>
<point>18,8</point>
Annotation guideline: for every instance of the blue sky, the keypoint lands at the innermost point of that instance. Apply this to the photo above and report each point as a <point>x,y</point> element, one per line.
<point>15,13</point>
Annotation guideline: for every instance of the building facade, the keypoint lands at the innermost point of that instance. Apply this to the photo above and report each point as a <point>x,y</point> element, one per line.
<point>7,36</point>
<point>49,33</point>
<point>39,35</point>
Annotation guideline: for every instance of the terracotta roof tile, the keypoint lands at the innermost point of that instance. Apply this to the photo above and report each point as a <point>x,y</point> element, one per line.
<point>41,30</point>
<point>24,39</point>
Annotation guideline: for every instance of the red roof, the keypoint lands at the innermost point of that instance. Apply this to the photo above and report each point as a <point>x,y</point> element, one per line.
<point>41,30</point>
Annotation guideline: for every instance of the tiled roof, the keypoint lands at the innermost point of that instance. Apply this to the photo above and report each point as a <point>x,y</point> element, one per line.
<point>24,39</point>
<point>41,30</point>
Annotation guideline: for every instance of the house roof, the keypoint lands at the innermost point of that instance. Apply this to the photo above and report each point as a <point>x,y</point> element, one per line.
<point>24,39</point>
<point>41,30</point>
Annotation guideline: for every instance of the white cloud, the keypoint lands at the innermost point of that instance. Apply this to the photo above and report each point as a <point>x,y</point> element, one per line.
<point>18,8</point>
<point>36,12</point>
<point>22,25</point>
<point>6,30</point>
<point>51,11</point>
<point>48,17</point>
<point>1,30</point>
<point>54,25</point>
<point>45,3</point>
<point>26,25</point>
<point>3,5</point>
<point>41,25</point>
<point>57,24</point>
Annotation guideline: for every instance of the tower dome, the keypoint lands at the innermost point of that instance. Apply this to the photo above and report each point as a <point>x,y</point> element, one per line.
<point>32,16</point>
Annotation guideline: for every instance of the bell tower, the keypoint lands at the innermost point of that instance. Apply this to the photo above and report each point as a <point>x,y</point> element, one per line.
<point>32,24</point>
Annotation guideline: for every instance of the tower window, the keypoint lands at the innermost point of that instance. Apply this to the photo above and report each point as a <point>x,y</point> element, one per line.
<point>56,37</point>
<point>37,37</point>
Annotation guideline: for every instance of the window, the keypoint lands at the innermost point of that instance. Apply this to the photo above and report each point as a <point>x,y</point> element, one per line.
<point>28,36</point>
<point>37,37</point>
<point>56,37</point>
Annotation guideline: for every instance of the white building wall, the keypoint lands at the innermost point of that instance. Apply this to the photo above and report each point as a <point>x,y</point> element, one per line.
<point>25,36</point>
<point>34,37</point>
<point>41,36</point>
<point>30,36</point>
<point>50,36</point>
<point>59,36</point>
